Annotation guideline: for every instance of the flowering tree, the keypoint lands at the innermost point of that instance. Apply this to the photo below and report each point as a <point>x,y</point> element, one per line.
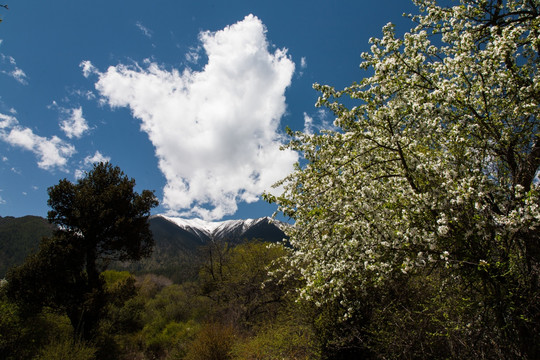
<point>434,168</point>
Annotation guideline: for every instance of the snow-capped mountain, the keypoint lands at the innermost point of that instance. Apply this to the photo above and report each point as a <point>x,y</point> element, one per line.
<point>180,243</point>
<point>230,230</point>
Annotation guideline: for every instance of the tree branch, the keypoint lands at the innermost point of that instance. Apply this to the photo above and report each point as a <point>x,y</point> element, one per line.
<point>530,166</point>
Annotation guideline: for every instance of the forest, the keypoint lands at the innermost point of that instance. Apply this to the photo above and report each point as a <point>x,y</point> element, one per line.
<point>416,224</point>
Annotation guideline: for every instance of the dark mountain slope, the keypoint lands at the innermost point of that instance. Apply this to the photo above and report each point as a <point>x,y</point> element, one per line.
<point>178,242</point>
<point>20,237</point>
<point>177,252</point>
<point>266,230</point>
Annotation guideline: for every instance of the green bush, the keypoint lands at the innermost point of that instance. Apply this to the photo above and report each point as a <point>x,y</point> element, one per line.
<point>214,342</point>
<point>63,349</point>
<point>278,341</point>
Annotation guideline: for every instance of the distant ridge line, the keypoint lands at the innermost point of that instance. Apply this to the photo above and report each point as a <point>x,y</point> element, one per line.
<point>218,230</point>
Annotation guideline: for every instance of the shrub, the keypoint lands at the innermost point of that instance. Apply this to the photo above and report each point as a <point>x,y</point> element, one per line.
<point>214,342</point>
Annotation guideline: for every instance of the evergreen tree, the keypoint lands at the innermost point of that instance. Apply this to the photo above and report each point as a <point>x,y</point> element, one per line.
<point>100,218</point>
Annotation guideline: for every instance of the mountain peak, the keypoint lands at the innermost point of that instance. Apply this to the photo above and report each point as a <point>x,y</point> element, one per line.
<point>218,230</point>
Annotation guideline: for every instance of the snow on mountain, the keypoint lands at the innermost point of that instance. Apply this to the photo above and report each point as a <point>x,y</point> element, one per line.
<point>216,230</point>
<point>195,225</point>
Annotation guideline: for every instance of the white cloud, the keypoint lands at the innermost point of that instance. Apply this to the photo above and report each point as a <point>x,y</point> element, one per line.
<point>19,75</point>
<point>96,158</point>
<point>7,121</point>
<point>318,122</point>
<point>85,94</point>
<point>216,132</point>
<point>52,152</point>
<point>193,56</point>
<point>146,32</point>
<point>75,124</point>
<point>87,68</point>
<point>72,123</point>
<point>89,161</point>
<point>303,65</point>
<point>15,72</point>
<point>2,201</point>
<point>308,124</point>
<point>79,173</point>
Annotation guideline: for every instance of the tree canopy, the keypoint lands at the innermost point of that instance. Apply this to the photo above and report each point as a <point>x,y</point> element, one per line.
<point>104,213</point>
<point>99,218</point>
<point>434,170</point>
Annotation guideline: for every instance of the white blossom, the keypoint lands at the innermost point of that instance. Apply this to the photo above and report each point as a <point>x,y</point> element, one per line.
<point>437,147</point>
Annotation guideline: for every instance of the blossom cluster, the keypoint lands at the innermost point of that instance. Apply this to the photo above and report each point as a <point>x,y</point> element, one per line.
<point>436,163</point>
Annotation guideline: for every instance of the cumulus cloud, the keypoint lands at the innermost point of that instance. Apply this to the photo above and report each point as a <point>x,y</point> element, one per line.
<point>87,68</point>
<point>96,158</point>
<point>215,131</point>
<point>52,152</point>
<point>74,125</point>
<point>89,161</point>
<point>72,121</point>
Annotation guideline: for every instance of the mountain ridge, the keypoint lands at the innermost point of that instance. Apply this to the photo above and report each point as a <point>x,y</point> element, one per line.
<point>178,241</point>
<point>219,230</point>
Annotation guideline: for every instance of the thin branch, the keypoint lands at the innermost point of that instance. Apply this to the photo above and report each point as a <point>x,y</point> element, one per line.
<point>530,166</point>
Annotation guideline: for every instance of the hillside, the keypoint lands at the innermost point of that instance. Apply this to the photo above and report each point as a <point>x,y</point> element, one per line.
<point>19,237</point>
<point>178,241</point>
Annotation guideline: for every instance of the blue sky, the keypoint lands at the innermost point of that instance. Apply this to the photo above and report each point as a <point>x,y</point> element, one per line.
<point>190,98</point>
